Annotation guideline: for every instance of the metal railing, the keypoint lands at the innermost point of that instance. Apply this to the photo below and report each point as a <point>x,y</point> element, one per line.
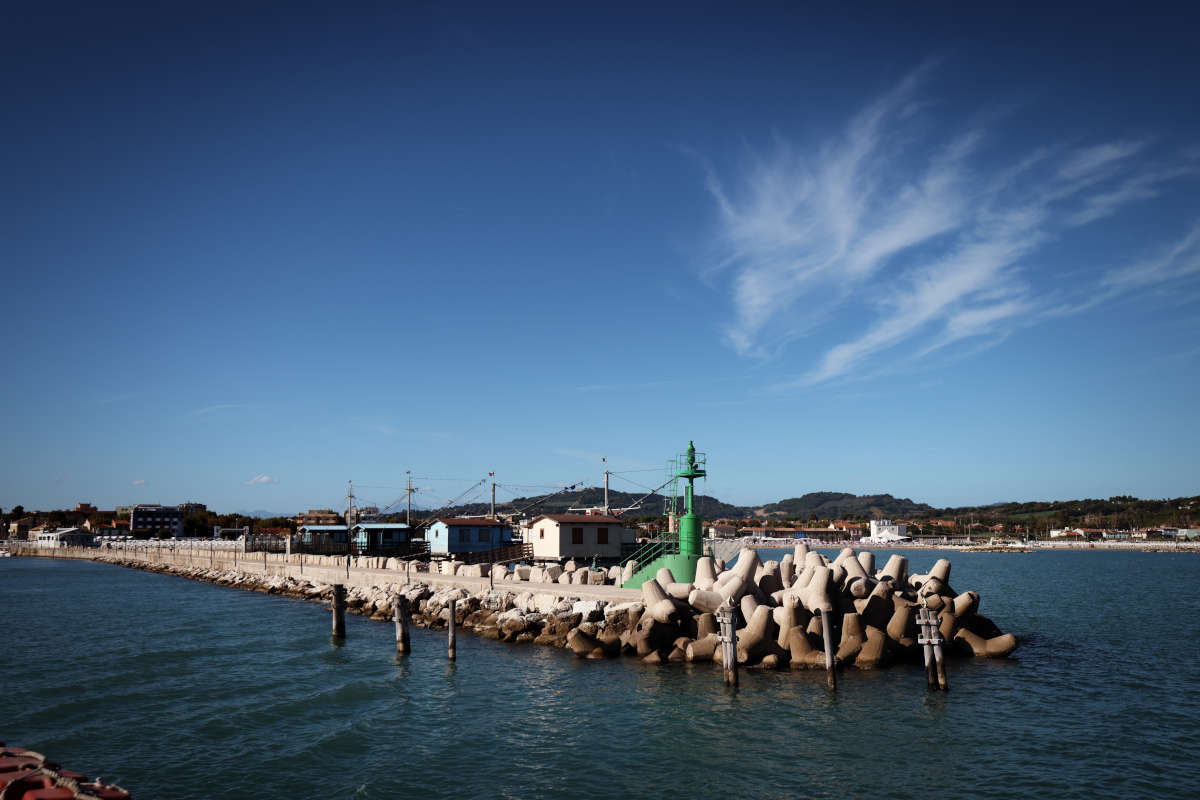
<point>667,544</point>
<point>327,547</point>
<point>515,552</point>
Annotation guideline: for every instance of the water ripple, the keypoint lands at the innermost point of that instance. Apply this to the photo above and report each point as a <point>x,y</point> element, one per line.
<point>186,690</point>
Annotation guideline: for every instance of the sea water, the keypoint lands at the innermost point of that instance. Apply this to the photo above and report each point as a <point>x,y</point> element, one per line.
<point>179,689</point>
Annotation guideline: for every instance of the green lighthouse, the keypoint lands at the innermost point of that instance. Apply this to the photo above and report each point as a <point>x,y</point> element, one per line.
<point>680,549</point>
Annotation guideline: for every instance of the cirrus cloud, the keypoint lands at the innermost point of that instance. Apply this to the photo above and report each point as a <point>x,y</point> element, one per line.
<point>929,228</point>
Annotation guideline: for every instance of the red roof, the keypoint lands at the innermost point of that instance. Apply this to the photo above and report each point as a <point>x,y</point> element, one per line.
<point>592,518</point>
<point>473,521</point>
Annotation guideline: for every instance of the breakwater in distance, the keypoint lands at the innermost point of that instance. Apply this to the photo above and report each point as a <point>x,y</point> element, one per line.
<point>182,689</point>
<point>803,611</point>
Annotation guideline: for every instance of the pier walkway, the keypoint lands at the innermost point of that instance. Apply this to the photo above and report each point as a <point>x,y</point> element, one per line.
<point>362,573</point>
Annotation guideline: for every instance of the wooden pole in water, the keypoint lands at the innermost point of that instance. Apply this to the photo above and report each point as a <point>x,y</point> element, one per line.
<point>728,645</point>
<point>400,617</point>
<point>827,635</point>
<point>931,639</point>
<point>926,642</point>
<point>339,611</point>
<point>451,635</point>
<point>941,667</point>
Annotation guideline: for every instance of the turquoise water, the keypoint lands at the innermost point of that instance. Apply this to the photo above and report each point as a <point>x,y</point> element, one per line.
<point>178,689</point>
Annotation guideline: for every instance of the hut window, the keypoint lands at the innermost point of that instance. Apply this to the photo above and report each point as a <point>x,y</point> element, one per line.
<point>602,536</point>
<point>576,535</point>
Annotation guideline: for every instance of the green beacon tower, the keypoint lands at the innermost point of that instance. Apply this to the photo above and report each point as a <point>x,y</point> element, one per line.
<point>679,549</point>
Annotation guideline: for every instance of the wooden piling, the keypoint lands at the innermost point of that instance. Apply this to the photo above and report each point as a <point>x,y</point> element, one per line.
<point>931,640</point>
<point>400,617</point>
<point>339,611</point>
<point>941,667</point>
<point>827,636</point>
<point>451,634</point>
<point>728,638</point>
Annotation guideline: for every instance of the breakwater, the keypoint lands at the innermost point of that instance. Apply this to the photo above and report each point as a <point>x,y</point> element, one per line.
<point>801,612</point>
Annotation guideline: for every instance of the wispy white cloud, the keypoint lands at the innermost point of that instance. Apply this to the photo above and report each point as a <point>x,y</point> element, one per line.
<point>260,480</point>
<point>199,412</point>
<point>138,482</point>
<point>1180,259</point>
<point>927,227</point>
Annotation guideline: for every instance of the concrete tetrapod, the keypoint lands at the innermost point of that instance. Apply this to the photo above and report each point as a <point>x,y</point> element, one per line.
<point>803,654</point>
<point>787,570</point>
<point>815,596</point>
<point>705,624</point>
<point>996,647</point>
<point>702,649</point>
<point>900,627</point>
<point>748,606</point>
<point>896,569</point>
<point>705,601</point>
<point>658,605</point>
<point>680,591</point>
<point>755,641</point>
<point>706,573</point>
<point>873,650</point>
<point>852,639</point>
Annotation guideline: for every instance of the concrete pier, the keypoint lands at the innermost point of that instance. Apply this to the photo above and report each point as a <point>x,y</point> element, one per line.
<point>363,572</point>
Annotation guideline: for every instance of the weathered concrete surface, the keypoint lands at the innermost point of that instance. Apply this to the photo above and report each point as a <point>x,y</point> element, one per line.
<point>331,569</point>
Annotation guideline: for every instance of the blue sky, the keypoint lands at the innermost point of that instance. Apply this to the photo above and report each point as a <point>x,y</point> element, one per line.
<point>252,253</point>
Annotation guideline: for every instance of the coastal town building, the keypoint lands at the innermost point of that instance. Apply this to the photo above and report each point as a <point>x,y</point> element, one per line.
<point>48,538</point>
<point>1066,533</point>
<point>884,531</point>
<point>721,531</point>
<point>192,508</point>
<point>449,535</point>
<point>317,535</point>
<point>319,516</point>
<point>157,520</point>
<point>373,537</point>
<point>558,536</point>
<point>85,508</point>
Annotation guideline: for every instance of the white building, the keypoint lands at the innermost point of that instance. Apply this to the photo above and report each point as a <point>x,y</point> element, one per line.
<point>558,536</point>
<point>62,537</point>
<point>884,531</point>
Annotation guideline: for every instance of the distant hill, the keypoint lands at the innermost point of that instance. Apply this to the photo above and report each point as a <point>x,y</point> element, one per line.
<point>706,506</point>
<point>834,505</point>
<point>260,514</point>
<point>825,505</point>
